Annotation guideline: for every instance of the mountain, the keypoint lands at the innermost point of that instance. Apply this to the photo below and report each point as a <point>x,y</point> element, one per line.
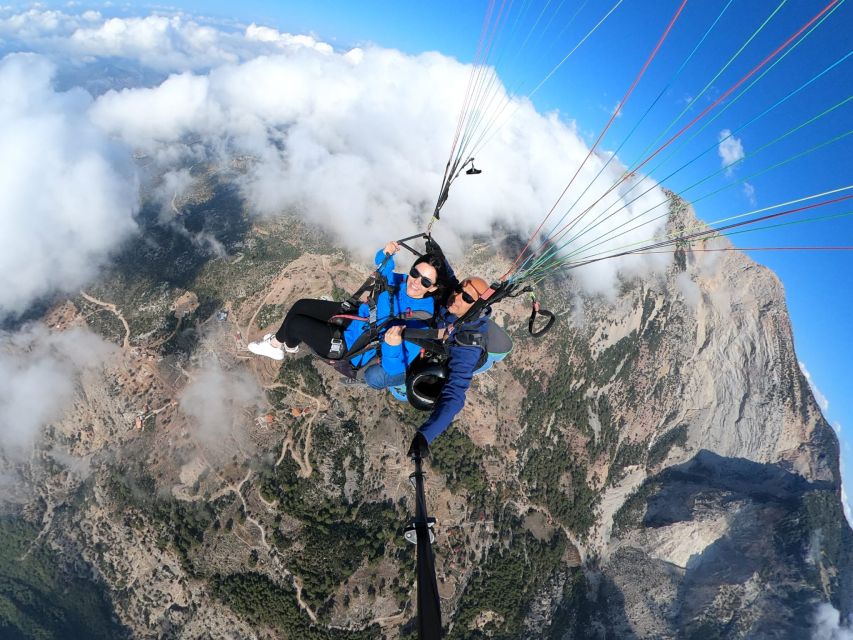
<point>654,467</point>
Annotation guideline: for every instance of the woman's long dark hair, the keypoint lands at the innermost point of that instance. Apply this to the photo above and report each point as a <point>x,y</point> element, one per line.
<point>438,263</point>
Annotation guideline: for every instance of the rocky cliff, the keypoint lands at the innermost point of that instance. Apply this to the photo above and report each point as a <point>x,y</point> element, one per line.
<point>655,467</point>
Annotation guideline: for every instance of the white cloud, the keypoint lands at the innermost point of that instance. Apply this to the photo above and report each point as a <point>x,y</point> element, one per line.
<point>39,370</point>
<point>845,503</point>
<point>828,625</point>
<point>156,41</point>
<point>162,42</point>
<point>613,110</point>
<point>358,143</point>
<point>749,192</point>
<point>217,400</point>
<point>67,192</point>
<point>689,290</point>
<point>844,455</point>
<point>730,150</point>
<point>821,399</point>
<point>35,24</point>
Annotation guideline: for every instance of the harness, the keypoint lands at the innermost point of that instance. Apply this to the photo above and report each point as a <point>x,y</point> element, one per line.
<point>501,290</point>
<point>435,351</point>
<point>429,372</point>
<point>375,284</point>
<point>430,340</point>
<point>370,339</point>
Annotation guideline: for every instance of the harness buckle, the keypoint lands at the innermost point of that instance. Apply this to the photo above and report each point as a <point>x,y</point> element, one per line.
<point>337,347</point>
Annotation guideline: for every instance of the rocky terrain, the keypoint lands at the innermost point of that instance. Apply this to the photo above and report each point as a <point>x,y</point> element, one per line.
<point>655,467</point>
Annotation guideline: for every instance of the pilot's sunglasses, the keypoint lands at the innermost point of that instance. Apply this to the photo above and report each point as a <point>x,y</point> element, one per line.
<point>426,282</point>
<point>465,295</point>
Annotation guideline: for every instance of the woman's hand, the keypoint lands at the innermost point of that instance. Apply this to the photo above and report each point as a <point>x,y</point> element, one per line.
<point>391,248</point>
<point>394,336</point>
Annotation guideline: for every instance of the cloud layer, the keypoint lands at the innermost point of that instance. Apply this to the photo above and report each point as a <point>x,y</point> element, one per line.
<point>218,400</point>
<point>174,42</point>
<point>39,370</point>
<point>828,625</point>
<point>67,192</point>
<point>356,141</point>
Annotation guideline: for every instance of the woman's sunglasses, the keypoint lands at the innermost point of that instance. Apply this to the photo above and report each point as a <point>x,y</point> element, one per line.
<point>426,282</point>
<point>467,297</point>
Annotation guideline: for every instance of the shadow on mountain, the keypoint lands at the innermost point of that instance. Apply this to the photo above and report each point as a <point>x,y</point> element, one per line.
<point>593,608</point>
<point>49,594</point>
<point>709,476</point>
<point>174,252</point>
<point>777,535</point>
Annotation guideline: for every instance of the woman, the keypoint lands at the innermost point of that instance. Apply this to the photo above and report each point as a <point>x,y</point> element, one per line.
<point>310,321</point>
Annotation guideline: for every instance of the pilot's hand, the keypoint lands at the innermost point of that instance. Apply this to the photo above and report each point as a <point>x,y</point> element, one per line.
<point>394,336</point>
<point>419,447</point>
<point>391,248</point>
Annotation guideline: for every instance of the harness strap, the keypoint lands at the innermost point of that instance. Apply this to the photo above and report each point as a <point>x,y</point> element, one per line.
<point>535,311</point>
<point>375,284</point>
<point>369,339</point>
<point>474,340</point>
<point>423,334</point>
<point>471,339</point>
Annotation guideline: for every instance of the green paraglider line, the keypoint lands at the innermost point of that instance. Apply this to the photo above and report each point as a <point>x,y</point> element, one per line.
<point>613,116</point>
<point>569,260</point>
<point>812,248</point>
<point>671,238</point>
<point>491,130</point>
<point>710,83</point>
<point>736,217</point>
<point>712,235</point>
<point>605,237</point>
<point>677,149</point>
<point>551,257</point>
<point>549,237</point>
<point>598,219</point>
<point>615,153</point>
<point>686,127</point>
<point>708,233</point>
<point>730,135</point>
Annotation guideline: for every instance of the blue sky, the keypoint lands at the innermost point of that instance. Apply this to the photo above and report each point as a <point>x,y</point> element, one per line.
<point>590,84</point>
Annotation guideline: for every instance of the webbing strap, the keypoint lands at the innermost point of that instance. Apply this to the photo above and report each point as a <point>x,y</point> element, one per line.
<point>427,339</point>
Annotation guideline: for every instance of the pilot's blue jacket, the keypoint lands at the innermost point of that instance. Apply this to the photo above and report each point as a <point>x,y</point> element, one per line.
<point>463,361</point>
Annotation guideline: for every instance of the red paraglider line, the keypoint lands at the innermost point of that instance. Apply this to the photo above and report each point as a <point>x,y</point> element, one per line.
<point>760,249</point>
<point>613,117</point>
<point>706,234</point>
<point>704,112</point>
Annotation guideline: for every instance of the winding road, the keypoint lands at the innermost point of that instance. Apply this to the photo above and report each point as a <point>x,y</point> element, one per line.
<point>112,308</point>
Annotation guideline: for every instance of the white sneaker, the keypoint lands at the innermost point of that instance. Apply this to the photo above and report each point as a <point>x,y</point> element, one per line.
<point>265,348</point>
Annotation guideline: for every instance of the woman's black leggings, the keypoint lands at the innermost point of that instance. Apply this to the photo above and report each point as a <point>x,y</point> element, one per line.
<point>308,322</point>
